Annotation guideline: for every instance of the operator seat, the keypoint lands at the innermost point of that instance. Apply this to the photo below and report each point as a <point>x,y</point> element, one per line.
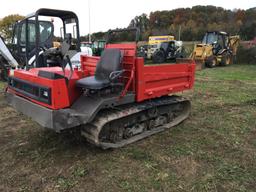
<point>108,69</point>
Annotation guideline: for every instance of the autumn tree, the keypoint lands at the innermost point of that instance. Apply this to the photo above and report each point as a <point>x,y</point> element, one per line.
<point>6,25</point>
<point>195,21</point>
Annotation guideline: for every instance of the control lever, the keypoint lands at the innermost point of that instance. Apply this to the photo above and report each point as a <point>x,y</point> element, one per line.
<point>63,66</point>
<point>71,67</point>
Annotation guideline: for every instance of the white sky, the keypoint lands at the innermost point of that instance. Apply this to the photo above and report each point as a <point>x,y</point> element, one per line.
<point>109,14</point>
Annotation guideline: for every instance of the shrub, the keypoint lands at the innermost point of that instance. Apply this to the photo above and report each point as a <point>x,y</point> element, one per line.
<point>245,55</point>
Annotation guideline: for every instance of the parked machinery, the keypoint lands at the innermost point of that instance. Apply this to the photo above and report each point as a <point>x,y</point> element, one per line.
<point>113,100</point>
<point>4,69</point>
<point>15,53</point>
<point>86,47</point>
<point>6,60</point>
<point>217,48</point>
<point>154,42</point>
<point>98,47</point>
<point>32,43</point>
<point>142,51</point>
<point>170,50</point>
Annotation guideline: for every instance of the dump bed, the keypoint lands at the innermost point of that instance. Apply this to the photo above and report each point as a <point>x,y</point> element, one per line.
<point>162,79</point>
<point>148,81</point>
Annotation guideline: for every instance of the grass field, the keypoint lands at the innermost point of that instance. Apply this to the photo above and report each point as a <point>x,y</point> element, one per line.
<point>214,150</point>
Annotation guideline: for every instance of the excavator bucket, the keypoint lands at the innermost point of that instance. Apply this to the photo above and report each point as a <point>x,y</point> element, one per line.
<point>198,55</point>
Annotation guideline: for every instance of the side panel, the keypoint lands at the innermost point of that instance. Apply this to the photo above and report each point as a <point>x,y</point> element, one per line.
<point>62,94</point>
<point>162,79</point>
<point>88,64</point>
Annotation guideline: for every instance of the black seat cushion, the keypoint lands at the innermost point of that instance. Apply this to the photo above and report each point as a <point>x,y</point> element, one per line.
<point>109,62</point>
<point>92,83</point>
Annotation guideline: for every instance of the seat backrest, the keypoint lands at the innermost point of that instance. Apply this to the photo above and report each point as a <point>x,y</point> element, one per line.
<point>109,62</point>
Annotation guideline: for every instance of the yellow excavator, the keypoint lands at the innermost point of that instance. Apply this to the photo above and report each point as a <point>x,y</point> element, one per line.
<point>217,49</point>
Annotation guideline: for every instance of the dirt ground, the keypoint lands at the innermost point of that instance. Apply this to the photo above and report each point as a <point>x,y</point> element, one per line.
<point>213,150</point>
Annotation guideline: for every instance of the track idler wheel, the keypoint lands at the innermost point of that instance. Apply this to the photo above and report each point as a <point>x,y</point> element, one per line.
<point>134,130</point>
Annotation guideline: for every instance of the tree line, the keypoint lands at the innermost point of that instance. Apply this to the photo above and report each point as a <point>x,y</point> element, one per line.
<point>192,23</point>
<point>6,25</point>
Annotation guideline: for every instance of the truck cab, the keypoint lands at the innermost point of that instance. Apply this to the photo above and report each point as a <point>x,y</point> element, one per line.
<point>33,38</point>
<point>219,40</point>
<point>18,45</point>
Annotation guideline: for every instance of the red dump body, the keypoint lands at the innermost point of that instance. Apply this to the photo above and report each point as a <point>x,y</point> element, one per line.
<point>158,80</point>
<point>145,81</point>
<point>148,81</point>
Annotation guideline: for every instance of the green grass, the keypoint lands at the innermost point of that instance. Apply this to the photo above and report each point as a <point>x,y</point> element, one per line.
<point>233,72</point>
<point>214,150</point>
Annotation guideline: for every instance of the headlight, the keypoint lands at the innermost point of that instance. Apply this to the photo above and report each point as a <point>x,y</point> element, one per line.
<point>45,93</point>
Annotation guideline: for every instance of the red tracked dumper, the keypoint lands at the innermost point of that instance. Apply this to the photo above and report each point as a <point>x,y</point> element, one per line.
<point>113,100</point>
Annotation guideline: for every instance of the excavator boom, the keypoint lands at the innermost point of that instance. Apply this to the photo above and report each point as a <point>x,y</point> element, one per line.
<point>4,51</point>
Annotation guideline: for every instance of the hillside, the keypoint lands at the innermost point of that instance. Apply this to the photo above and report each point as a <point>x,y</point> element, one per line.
<point>194,21</point>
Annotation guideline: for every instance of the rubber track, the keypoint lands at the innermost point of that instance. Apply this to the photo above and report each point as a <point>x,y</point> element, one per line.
<point>92,130</point>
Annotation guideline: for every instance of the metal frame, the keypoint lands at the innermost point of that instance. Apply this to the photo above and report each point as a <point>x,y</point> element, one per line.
<point>221,33</point>
<point>85,108</point>
<point>63,15</point>
<point>18,46</point>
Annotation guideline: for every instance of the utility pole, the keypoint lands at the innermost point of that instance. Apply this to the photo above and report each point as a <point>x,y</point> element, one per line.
<point>89,12</point>
<point>179,31</point>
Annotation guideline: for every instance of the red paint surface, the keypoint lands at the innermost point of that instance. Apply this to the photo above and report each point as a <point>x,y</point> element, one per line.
<point>146,81</point>
<point>62,95</point>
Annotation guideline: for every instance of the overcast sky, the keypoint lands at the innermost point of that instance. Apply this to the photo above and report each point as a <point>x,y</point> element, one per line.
<point>109,14</point>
